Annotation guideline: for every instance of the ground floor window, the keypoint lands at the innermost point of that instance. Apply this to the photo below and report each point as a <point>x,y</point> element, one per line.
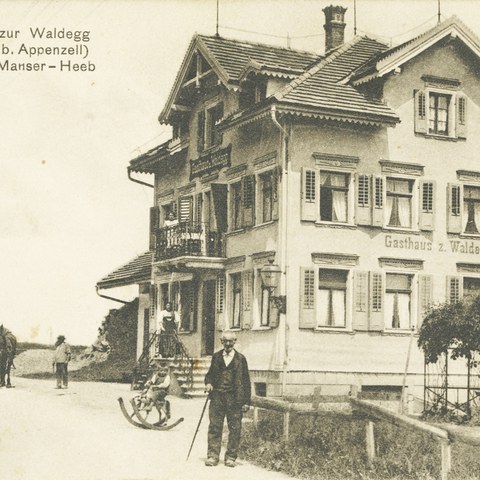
<point>236,289</point>
<point>265,307</point>
<point>331,298</point>
<point>471,288</point>
<point>398,301</point>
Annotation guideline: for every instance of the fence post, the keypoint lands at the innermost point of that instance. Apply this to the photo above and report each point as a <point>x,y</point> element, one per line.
<point>446,458</point>
<point>286,425</point>
<point>370,438</point>
<point>255,417</point>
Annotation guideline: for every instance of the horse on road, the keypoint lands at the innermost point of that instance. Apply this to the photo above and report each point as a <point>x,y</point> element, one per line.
<point>8,349</point>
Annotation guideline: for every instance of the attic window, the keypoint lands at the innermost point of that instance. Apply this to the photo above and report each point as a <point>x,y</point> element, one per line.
<point>253,92</point>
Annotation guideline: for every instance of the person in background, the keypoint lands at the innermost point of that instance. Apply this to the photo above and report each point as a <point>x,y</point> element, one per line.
<point>167,328</point>
<point>63,355</point>
<point>171,220</point>
<point>228,384</point>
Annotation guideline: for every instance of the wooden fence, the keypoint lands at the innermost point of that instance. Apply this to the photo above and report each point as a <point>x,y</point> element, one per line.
<point>444,435</point>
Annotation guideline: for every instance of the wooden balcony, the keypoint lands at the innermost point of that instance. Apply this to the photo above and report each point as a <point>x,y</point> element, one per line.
<point>188,239</point>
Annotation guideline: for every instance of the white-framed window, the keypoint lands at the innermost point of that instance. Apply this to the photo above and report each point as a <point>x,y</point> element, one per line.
<point>267,196</point>
<point>334,188</point>
<point>441,112</point>
<point>398,301</point>
<point>471,209</point>
<point>236,300</point>
<point>398,208</point>
<point>207,132</point>
<point>471,288</point>
<point>331,297</point>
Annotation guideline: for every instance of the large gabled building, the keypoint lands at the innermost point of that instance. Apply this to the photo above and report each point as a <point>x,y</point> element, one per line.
<point>355,172</point>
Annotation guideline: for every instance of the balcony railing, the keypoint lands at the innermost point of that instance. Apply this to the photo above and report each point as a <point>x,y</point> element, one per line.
<point>188,239</point>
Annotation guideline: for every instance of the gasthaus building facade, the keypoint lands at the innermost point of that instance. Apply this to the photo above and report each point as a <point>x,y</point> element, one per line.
<point>355,173</point>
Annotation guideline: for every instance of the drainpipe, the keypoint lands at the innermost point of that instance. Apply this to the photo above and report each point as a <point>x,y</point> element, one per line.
<point>138,181</point>
<point>285,135</point>
<point>110,298</point>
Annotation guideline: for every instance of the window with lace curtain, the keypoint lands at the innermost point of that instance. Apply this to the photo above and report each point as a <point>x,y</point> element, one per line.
<point>471,209</point>
<point>398,301</point>
<point>331,297</point>
<point>398,209</point>
<point>334,196</point>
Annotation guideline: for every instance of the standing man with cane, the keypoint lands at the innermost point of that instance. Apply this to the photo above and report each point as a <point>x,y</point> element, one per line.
<point>228,385</point>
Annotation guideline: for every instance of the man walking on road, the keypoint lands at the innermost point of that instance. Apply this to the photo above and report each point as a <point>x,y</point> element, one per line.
<point>228,384</point>
<point>62,356</point>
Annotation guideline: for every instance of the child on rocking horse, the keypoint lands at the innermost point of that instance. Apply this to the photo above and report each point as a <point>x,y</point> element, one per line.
<point>155,391</point>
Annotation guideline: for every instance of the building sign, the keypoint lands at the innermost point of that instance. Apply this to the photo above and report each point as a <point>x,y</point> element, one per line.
<point>210,162</point>
<point>412,243</point>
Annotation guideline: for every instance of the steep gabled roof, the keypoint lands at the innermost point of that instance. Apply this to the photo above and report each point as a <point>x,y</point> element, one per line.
<point>394,57</point>
<point>137,270</point>
<point>322,87</point>
<point>228,58</point>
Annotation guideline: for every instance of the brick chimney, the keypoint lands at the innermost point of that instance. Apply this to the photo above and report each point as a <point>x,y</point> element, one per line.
<point>334,26</point>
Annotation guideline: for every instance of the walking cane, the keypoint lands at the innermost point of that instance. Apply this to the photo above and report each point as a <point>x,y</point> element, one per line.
<point>198,426</point>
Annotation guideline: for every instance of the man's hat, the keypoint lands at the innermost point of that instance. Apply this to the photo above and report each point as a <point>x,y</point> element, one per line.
<point>60,337</point>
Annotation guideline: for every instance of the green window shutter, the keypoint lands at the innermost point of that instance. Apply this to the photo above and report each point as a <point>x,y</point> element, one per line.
<point>377,301</point>
<point>247,290</point>
<point>454,208</point>
<point>461,116</point>
<point>201,131</point>
<point>220,302</point>
<point>360,292</point>
<point>363,204</point>
<point>427,205</point>
<point>275,178</point>
<point>454,289</point>
<point>310,195</point>
<point>420,100</point>
<point>378,200</point>
<point>153,301</point>
<point>248,200</point>
<point>185,205</point>
<point>308,290</point>
<point>154,224</point>
<point>425,296</point>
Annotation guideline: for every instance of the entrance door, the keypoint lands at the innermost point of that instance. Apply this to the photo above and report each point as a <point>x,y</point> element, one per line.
<point>208,318</point>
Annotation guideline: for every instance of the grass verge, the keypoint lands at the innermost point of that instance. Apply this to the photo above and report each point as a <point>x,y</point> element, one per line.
<point>332,447</point>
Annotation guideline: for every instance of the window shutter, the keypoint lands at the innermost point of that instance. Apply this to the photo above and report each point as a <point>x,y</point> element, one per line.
<point>360,292</point>
<point>454,208</point>
<point>310,195</point>
<point>461,116</point>
<point>425,296</point>
<point>185,209</point>
<point>454,289</point>
<point>248,200</point>
<point>198,208</point>
<point>427,205</point>
<point>217,136</point>
<point>247,299</point>
<point>154,224</point>
<point>377,301</point>
<point>201,131</point>
<point>308,290</point>
<point>275,178</point>
<point>378,201</point>
<point>420,100</point>
<point>363,212</point>
<point>220,302</point>
<point>153,300</point>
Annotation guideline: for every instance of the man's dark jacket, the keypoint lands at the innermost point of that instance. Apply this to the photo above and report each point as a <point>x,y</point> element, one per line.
<point>241,377</point>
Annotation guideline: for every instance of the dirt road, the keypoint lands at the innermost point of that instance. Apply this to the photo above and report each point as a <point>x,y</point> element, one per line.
<point>80,434</point>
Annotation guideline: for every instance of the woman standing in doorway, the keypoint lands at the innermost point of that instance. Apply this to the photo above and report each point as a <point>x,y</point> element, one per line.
<point>167,328</point>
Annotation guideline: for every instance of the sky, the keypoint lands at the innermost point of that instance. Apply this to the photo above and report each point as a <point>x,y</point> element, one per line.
<point>69,215</point>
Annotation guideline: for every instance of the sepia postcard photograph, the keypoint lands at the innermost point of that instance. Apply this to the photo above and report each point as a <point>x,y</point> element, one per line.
<point>240,239</point>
